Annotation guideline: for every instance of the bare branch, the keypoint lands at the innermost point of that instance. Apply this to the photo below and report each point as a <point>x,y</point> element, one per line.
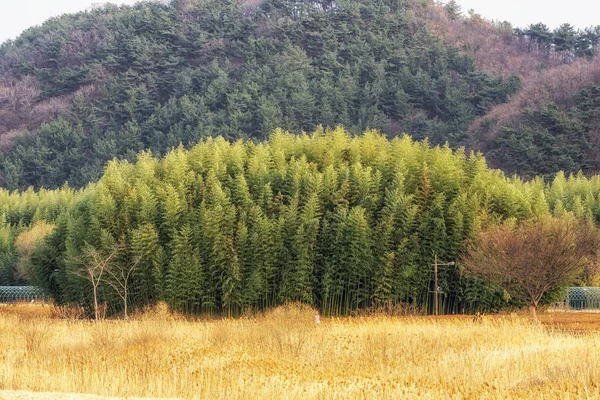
<point>119,277</point>
<point>534,257</point>
<point>94,264</point>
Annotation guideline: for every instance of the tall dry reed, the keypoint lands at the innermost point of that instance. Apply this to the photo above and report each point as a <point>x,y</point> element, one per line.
<point>283,355</point>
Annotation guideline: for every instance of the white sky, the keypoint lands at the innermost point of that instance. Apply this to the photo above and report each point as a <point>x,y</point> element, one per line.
<point>579,13</point>
<point>18,15</point>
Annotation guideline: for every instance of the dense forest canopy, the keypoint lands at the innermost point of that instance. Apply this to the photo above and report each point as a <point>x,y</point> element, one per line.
<point>541,133</point>
<point>340,222</point>
<point>551,123</point>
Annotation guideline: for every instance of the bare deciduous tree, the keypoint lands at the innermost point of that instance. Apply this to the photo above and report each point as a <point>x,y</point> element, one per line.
<point>94,263</point>
<point>529,259</point>
<point>23,93</point>
<point>119,275</point>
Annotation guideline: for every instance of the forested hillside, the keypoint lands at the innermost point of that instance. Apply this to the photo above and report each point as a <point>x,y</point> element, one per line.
<point>551,124</point>
<point>338,222</point>
<point>82,89</point>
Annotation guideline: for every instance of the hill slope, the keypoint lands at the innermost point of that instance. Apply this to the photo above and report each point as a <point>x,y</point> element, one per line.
<point>115,80</point>
<point>82,89</point>
<point>552,122</point>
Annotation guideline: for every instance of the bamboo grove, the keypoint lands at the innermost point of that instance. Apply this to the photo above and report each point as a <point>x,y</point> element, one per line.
<point>26,217</point>
<point>340,222</point>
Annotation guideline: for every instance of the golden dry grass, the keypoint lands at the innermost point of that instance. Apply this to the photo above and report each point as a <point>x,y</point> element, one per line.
<point>282,355</point>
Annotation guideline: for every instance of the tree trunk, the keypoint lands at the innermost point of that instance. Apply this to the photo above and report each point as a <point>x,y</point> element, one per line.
<point>95,303</point>
<point>125,299</point>
<point>533,311</point>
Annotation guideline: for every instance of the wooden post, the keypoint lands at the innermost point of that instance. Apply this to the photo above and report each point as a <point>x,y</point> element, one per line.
<point>435,282</point>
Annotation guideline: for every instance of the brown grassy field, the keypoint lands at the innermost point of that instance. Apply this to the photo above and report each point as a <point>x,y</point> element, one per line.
<point>282,355</point>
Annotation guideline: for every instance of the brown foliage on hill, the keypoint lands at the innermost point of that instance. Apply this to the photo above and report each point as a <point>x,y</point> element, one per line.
<point>558,85</point>
<point>547,76</point>
<point>22,109</point>
<point>493,46</point>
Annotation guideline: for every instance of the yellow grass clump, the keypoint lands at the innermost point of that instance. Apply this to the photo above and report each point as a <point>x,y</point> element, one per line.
<point>283,355</point>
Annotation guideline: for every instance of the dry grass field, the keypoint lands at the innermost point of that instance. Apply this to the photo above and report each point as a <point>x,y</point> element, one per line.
<point>282,355</point>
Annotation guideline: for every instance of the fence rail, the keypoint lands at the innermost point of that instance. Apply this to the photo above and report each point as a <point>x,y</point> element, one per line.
<point>11,294</point>
<point>580,298</point>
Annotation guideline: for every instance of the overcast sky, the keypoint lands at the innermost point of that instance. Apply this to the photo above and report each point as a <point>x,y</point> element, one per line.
<point>18,15</point>
<point>579,13</point>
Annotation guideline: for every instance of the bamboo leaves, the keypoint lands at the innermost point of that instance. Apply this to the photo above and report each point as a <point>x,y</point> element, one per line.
<point>225,228</point>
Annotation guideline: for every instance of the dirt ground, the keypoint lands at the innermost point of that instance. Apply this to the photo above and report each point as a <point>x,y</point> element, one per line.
<point>571,320</point>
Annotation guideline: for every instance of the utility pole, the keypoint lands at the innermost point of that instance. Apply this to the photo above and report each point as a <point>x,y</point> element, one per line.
<point>435,283</point>
<point>435,280</point>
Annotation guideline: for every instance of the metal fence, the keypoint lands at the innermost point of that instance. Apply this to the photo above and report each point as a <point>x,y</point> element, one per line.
<point>12,294</point>
<point>582,298</point>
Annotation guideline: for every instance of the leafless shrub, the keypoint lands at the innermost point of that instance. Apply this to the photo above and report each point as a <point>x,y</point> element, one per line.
<point>70,312</point>
<point>532,258</point>
<point>35,333</point>
<point>6,139</point>
<point>92,265</point>
<point>47,110</point>
<point>491,44</point>
<point>79,44</point>
<point>557,85</point>
<point>22,93</point>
